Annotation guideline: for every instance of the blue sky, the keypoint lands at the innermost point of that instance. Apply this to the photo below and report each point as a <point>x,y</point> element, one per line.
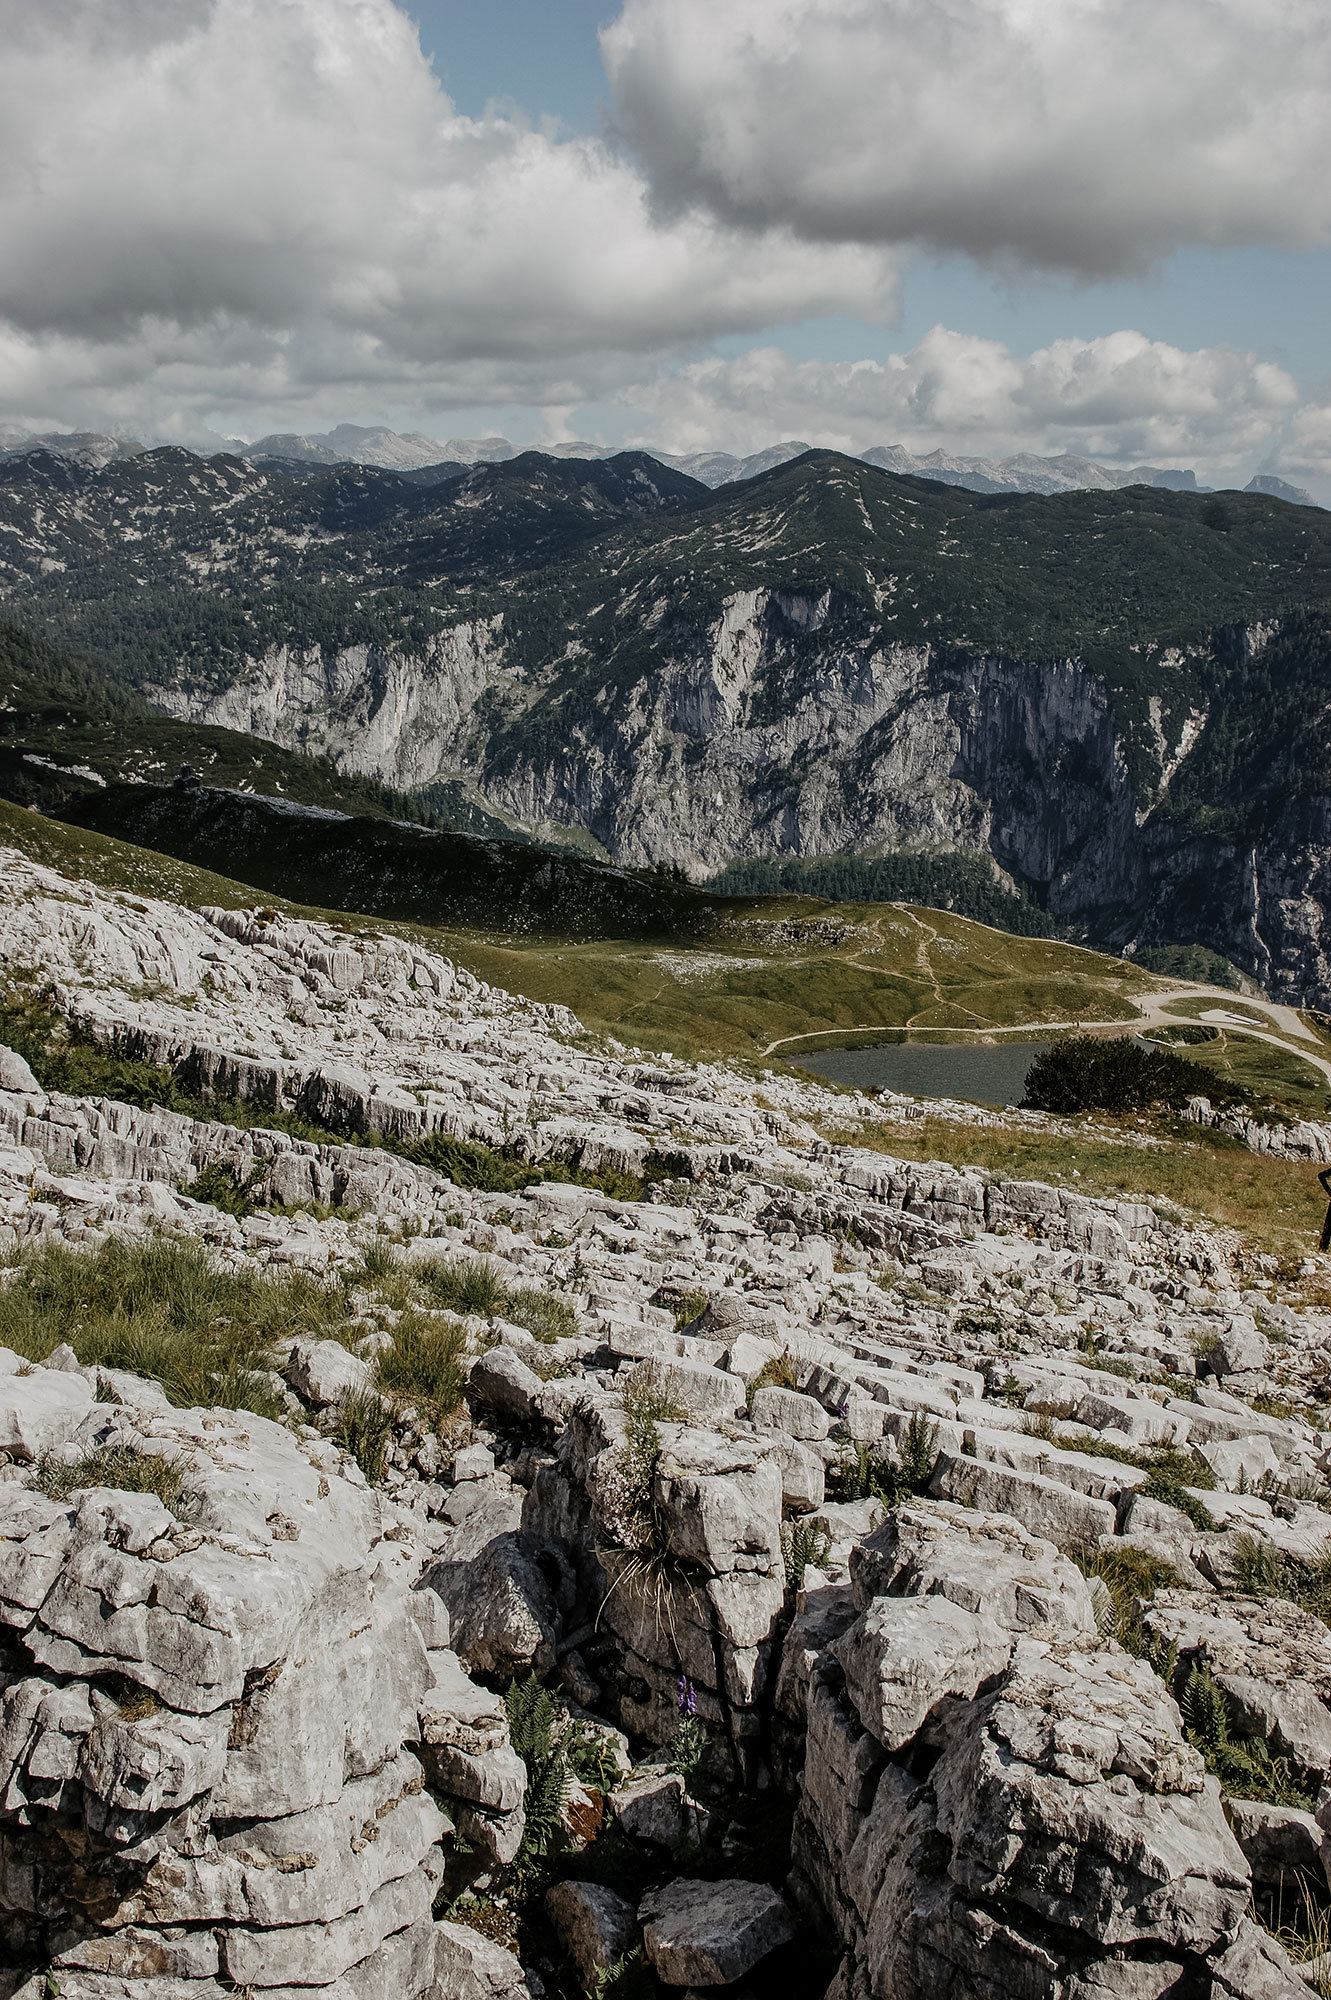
<point>543,56</point>
<point>969,226</point>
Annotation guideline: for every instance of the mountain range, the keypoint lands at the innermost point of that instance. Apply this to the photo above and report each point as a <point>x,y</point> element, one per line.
<point>1114,701</point>
<point>411,452</point>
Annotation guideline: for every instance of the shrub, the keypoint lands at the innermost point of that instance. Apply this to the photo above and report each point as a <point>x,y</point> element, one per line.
<point>223,1187</point>
<point>363,1425</point>
<point>120,1466</point>
<point>1084,1073</point>
<point>425,1364</point>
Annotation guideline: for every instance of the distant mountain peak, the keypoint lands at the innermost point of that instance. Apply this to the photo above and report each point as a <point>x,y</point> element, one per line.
<point>413,452</point>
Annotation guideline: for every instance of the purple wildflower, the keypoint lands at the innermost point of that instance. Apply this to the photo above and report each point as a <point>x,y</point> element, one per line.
<point>686,1700</point>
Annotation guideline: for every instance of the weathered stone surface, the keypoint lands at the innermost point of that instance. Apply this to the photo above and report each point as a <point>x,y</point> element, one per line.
<point>787,1410</point>
<point>721,1499</point>
<point>984,1562</point>
<point>504,1615</point>
<point>903,1655</point>
<point>595,1925</point>
<point>1281,1844</point>
<point>471,1967</point>
<point>651,1807</point>
<point>1272,1659</point>
<point>16,1075</point>
<point>502,1382</point>
<point>1030,1798</point>
<point>322,1372</point>
<point>1047,1507</point>
<point>702,1392</point>
<point>709,1933</point>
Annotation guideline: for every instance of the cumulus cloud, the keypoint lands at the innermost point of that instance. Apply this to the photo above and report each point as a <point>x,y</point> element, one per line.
<point>1122,398</point>
<point>262,200</point>
<point>1080,136</point>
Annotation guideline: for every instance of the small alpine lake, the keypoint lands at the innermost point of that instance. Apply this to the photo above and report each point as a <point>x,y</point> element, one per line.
<point>990,1074</point>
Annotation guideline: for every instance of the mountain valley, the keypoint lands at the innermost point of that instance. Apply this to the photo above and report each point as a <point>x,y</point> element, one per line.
<point>1114,700</point>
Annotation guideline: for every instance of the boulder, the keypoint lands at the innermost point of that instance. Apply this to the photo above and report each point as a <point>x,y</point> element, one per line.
<point>503,1383</point>
<point>15,1074</point>
<point>787,1410</point>
<point>1068,1519</point>
<point>651,1807</point>
<point>322,1372</point>
<point>471,1967</point>
<point>985,1563</point>
<point>903,1655</point>
<point>710,1933</point>
<point>701,1392</point>
<point>1240,1350</point>
<point>720,1499</point>
<point>595,1926</point>
<point>504,1617</point>
<point>1282,1844</point>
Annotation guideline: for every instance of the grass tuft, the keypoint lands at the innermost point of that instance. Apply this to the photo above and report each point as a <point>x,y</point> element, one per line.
<point>424,1364</point>
<point>119,1466</point>
<point>363,1425</point>
<point>165,1310</point>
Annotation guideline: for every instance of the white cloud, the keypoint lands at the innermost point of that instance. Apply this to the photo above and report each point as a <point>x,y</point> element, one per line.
<point>213,203</point>
<point>1082,136</point>
<point>1122,398</point>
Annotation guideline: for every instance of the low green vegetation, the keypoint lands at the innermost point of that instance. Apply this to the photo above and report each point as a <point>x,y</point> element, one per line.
<point>1085,1073</point>
<point>1131,1578</point>
<point>165,1310</point>
<point>472,1285</point>
<point>120,1466</point>
<point>424,1365</point>
<point>969,884</point>
<point>804,1545</point>
<point>1261,1571</point>
<point>362,1423</point>
<point>865,1473</point>
<point>1245,1765</point>
<point>558,1753</point>
<point>1195,963</point>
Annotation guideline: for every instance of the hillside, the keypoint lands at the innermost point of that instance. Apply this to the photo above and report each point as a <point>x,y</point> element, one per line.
<point>466,1480</point>
<point>1118,697</point>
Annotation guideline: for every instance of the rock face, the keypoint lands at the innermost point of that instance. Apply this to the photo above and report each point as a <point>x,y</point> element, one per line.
<point>995,1755</point>
<point>897,745</point>
<point>218,1721</point>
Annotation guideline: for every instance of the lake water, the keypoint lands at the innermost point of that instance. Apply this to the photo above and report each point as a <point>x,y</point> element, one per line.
<point>980,1075</point>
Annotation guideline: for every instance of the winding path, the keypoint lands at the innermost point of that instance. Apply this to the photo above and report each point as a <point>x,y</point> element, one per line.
<point>1152,1012</point>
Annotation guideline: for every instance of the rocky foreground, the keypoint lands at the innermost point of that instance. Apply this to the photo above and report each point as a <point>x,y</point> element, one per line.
<point>903,1503</point>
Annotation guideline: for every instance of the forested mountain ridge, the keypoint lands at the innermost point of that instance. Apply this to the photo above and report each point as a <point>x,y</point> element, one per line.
<point>1119,696</point>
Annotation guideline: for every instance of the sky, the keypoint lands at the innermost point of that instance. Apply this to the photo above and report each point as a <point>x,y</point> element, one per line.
<point>975,226</point>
